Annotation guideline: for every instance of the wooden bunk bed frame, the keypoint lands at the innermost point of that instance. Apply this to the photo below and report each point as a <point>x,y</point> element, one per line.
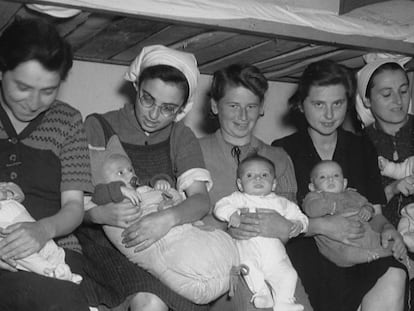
<point>280,50</point>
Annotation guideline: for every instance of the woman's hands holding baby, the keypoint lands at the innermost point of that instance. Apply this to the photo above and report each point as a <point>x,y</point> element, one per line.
<point>147,230</point>
<point>389,234</point>
<point>263,222</point>
<point>404,185</point>
<point>19,241</point>
<point>121,214</point>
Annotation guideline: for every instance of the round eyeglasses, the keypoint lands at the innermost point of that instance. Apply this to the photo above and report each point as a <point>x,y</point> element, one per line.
<point>148,102</point>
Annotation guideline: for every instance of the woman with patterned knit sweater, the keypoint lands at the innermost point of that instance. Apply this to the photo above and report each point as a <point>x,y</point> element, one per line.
<point>43,149</point>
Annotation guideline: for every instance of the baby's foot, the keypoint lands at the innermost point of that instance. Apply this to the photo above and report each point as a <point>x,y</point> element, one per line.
<point>262,300</point>
<point>287,306</point>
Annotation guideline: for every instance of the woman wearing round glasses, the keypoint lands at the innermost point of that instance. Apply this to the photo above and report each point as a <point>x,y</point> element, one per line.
<point>157,143</point>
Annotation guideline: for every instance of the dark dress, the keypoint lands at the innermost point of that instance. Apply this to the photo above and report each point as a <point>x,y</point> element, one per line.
<point>331,287</point>
<point>39,161</point>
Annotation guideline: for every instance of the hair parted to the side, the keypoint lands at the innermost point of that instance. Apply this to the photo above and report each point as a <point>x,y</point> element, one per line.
<point>255,158</point>
<point>34,39</point>
<point>322,73</point>
<point>235,75</point>
<point>167,74</point>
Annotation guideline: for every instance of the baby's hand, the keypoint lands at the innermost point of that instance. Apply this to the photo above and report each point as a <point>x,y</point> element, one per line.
<point>234,220</point>
<point>382,162</point>
<point>132,195</point>
<point>296,229</point>
<point>366,212</point>
<point>162,185</point>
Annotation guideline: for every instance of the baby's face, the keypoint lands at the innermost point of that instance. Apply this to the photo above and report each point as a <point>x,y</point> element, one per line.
<point>328,177</point>
<point>257,179</point>
<point>119,169</point>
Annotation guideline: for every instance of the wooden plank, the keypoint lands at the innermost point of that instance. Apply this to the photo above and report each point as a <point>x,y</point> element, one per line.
<point>289,55</point>
<point>255,54</point>
<point>90,28</point>
<point>171,35</point>
<point>117,36</point>
<point>348,5</point>
<point>222,48</point>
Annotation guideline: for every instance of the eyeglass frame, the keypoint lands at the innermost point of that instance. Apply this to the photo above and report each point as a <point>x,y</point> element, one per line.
<point>144,102</point>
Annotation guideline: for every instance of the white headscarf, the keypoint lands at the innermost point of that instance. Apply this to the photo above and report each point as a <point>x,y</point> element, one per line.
<point>160,55</point>
<point>374,61</point>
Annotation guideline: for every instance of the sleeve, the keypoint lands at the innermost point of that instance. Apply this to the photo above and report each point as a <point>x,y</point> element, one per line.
<point>106,193</point>
<point>186,150</point>
<point>226,206</point>
<point>295,214</point>
<point>188,161</point>
<point>315,205</point>
<point>94,132</point>
<point>74,154</point>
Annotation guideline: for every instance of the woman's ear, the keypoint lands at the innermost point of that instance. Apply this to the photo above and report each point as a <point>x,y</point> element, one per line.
<point>345,183</point>
<point>366,102</point>
<point>239,184</point>
<point>214,106</point>
<point>311,187</point>
<point>274,184</point>
<point>261,111</point>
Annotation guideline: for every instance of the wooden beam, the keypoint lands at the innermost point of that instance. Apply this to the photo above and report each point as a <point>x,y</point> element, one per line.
<point>348,5</point>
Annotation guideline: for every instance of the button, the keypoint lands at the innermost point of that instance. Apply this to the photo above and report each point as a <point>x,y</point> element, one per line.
<point>13,140</point>
<point>13,175</point>
<point>13,157</point>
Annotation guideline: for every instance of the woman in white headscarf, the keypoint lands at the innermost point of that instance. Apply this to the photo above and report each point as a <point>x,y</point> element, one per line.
<point>157,143</point>
<point>382,104</point>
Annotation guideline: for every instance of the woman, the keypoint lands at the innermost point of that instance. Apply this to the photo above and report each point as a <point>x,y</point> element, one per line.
<point>321,100</point>
<point>43,149</point>
<point>237,96</point>
<point>165,80</point>
<point>383,88</point>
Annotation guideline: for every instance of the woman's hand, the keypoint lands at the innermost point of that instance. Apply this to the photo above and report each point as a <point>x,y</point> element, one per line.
<point>8,265</point>
<point>147,231</point>
<point>390,234</point>
<point>249,226</point>
<point>121,214</point>
<point>21,240</point>
<point>274,225</point>
<point>342,228</point>
<point>404,186</point>
<point>264,222</point>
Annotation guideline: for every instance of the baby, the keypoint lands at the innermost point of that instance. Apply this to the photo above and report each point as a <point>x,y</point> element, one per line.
<point>120,182</point>
<point>398,171</point>
<point>50,260</point>
<point>194,263</point>
<point>330,196</point>
<point>265,258</point>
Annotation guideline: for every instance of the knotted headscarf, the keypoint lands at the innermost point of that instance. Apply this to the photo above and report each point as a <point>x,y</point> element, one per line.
<point>160,55</point>
<point>374,61</point>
